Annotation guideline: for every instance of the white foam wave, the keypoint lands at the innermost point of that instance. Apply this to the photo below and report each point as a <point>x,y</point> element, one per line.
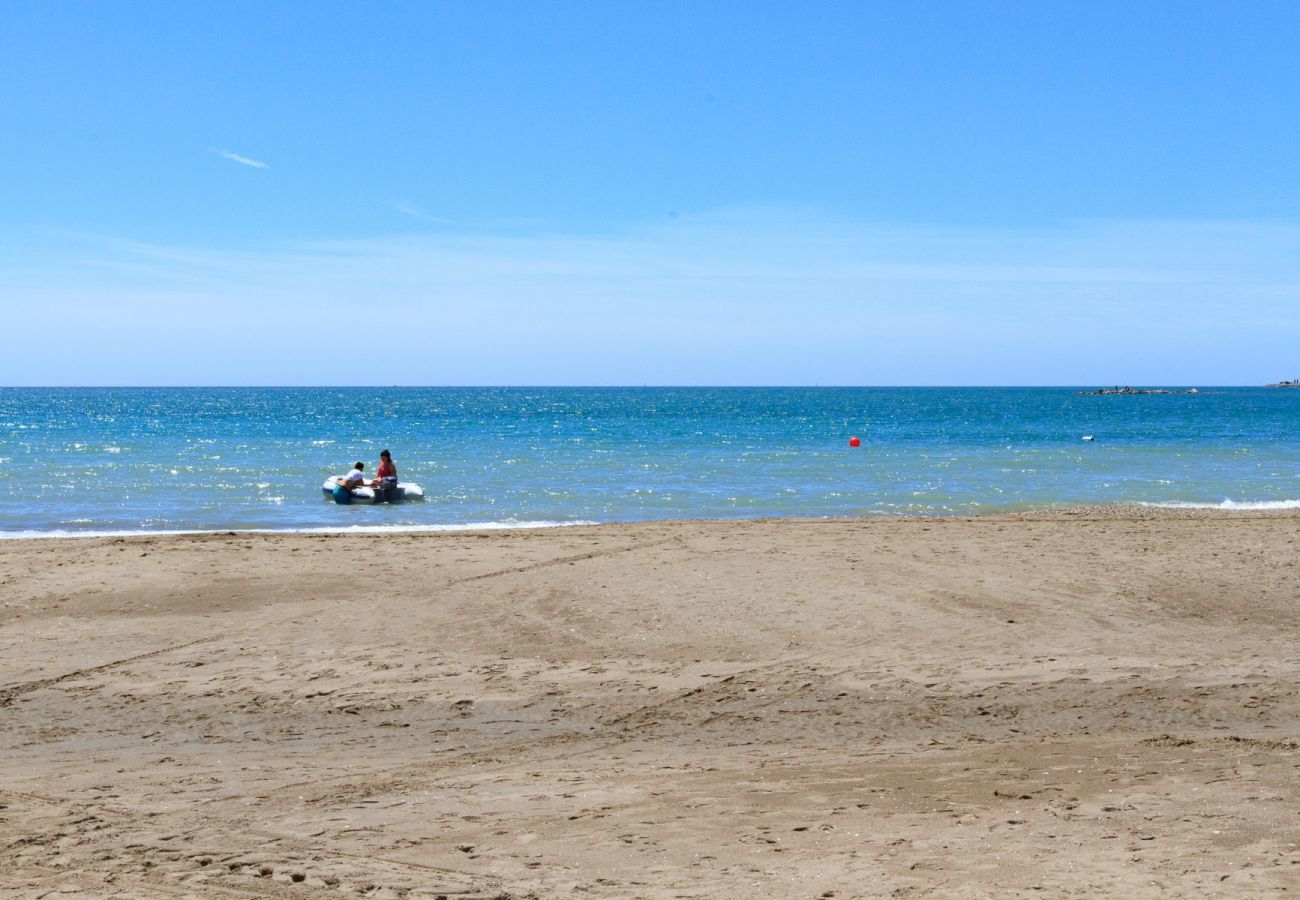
<point>471,526</point>
<point>1232,504</point>
<point>353,529</point>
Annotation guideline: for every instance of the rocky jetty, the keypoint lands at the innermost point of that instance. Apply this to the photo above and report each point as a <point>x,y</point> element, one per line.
<point>1132,390</point>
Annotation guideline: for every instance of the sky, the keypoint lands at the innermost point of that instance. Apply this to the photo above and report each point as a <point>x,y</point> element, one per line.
<point>456,193</point>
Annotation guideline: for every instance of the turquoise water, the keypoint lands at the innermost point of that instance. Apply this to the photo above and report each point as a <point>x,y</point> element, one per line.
<point>165,459</point>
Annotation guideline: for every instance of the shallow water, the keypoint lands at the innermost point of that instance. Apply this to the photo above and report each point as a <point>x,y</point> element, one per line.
<point>160,459</point>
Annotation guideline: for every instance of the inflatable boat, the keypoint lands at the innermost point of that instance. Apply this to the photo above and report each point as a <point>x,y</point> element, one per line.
<point>405,490</point>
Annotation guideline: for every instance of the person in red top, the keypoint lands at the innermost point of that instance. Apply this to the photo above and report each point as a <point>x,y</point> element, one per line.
<point>385,483</point>
<point>386,468</point>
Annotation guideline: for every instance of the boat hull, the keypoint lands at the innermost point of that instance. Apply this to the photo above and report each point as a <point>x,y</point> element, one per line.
<point>406,492</point>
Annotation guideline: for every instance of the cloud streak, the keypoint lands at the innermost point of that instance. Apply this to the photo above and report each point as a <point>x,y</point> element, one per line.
<point>417,213</point>
<point>242,160</point>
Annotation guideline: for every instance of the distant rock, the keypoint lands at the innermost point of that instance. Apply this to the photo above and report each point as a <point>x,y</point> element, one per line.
<point>1132,390</point>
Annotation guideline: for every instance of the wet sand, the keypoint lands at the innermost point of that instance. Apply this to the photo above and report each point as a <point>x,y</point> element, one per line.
<point>1095,703</point>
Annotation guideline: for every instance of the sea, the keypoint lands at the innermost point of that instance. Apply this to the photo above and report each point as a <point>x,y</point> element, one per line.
<point>96,461</point>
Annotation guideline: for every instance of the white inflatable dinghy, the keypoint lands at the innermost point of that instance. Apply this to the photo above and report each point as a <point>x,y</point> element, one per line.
<point>406,490</point>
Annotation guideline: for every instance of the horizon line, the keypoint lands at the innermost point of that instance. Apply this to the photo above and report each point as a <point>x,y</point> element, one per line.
<point>644,386</point>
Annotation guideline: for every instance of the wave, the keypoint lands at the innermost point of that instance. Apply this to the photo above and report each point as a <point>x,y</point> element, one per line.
<point>351,529</point>
<point>1232,504</point>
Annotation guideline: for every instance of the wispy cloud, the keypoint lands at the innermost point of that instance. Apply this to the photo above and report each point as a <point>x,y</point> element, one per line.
<point>711,300</point>
<point>242,160</point>
<point>415,212</point>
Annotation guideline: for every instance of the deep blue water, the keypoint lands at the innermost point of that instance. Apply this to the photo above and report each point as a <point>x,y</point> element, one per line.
<point>157,459</point>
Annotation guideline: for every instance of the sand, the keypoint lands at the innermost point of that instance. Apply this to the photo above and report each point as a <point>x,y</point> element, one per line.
<point>1087,704</point>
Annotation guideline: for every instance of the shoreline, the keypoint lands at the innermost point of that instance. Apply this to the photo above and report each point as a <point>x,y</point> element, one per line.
<point>1280,507</point>
<point>1097,700</point>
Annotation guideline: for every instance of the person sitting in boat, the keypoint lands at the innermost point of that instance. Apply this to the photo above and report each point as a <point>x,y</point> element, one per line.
<point>385,483</point>
<point>386,467</point>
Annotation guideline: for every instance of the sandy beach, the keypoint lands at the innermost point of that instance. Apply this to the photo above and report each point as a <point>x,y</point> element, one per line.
<point>1094,703</point>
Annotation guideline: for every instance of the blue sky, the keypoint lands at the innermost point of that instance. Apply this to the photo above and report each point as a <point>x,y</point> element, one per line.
<point>663,193</point>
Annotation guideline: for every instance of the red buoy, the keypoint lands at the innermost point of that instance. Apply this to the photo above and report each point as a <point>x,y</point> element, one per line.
<point>854,442</point>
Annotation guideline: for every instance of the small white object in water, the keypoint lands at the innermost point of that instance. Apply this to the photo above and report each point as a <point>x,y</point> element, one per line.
<point>1088,437</point>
